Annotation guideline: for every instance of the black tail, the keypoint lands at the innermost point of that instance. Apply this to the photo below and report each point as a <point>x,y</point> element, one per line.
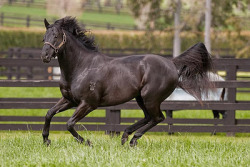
<point>193,66</point>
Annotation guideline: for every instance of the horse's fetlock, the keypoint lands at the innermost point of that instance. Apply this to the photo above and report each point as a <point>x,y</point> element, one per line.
<point>70,125</point>
<point>45,135</point>
<point>138,135</point>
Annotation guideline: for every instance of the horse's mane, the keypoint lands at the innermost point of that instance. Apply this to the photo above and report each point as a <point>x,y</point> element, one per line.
<point>71,25</point>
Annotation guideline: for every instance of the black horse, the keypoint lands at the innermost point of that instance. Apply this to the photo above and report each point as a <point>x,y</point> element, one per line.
<point>90,79</point>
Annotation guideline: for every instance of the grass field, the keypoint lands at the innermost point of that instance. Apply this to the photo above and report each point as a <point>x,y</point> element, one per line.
<point>26,149</point>
<point>88,17</point>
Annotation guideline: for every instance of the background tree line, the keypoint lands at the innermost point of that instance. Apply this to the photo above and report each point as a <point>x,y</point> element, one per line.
<point>202,17</point>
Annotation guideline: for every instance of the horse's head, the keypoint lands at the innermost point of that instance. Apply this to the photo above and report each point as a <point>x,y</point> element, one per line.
<point>54,39</point>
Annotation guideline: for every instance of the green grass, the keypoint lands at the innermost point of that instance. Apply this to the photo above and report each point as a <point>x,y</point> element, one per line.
<point>24,11</point>
<point>86,16</point>
<point>30,92</point>
<point>107,18</point>
<point>154,149</point>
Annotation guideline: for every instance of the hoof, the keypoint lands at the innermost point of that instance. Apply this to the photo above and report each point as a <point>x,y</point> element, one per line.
<point>88,143</point>
<point>133,143</point>
<point>47,142</point>
<point>124,138</point>
<point>80,140</point>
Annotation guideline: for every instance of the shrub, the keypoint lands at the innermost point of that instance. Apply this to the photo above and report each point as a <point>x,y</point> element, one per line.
<point>151,42</point>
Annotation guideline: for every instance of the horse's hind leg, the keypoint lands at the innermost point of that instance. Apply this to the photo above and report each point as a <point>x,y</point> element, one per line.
<point>81,111</point>
<point>62,105</point>
<point>156,117</point>
<point>169,114</point>
<point>129,130</point>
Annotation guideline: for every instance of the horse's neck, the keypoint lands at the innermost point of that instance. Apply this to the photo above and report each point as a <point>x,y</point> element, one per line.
<point>72,59</point>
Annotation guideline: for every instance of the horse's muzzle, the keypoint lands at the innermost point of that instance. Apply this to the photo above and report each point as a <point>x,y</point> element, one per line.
<point>45,57</point>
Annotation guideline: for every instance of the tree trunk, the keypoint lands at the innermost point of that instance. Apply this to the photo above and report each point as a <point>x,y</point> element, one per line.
<point>208,17</point>
<point>177,29</point>
<point>142,20</point>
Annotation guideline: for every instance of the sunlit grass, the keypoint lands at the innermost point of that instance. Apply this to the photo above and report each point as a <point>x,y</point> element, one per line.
<point>29,92</point>
<point>86,16</point>
<point>26,149</point>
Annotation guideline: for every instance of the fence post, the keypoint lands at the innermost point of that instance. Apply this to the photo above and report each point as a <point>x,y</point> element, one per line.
<point>9,69</point>
<point>113,118</point>
<point>99,6</point>
<point>108,26</point>
<point>118,6</point>
<point>10,2</point>
<point>18,68</point>
<point>2,18</point>
<point>28,4</point>
<point>28,21</point>
<point>230,119</point>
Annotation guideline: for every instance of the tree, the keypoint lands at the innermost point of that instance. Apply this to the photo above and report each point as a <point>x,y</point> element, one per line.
<point>64,8</point>
<point>177,29</point>
<point>2,3</point>
<point>146,12</point>
<point>225,18</point>
<point>220,16</point>
<point>208,19</point>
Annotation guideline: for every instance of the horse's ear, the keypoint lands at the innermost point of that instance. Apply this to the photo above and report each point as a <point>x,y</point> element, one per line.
<point>46,23</point>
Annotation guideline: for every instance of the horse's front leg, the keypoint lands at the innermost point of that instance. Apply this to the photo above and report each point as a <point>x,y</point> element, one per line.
<point>62,105</point>
<point>81,111</point>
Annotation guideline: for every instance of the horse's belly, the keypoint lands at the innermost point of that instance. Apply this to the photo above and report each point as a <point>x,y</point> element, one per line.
<point>116,97</point>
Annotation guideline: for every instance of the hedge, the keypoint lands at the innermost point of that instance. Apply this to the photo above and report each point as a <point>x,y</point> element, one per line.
<point>151,42</point>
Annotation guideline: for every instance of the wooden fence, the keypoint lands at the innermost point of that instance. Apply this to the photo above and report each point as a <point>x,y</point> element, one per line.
<point>113,122</point>
<point>44,72</point>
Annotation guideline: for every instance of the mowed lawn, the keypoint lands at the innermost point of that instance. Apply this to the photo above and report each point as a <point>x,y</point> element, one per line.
<point>26,149</point>
<point>86,16</point>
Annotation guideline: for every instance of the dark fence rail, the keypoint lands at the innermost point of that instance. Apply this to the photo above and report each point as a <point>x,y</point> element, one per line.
<point>33,69</point>
<point>15,65</point>
<point>113,122</point>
